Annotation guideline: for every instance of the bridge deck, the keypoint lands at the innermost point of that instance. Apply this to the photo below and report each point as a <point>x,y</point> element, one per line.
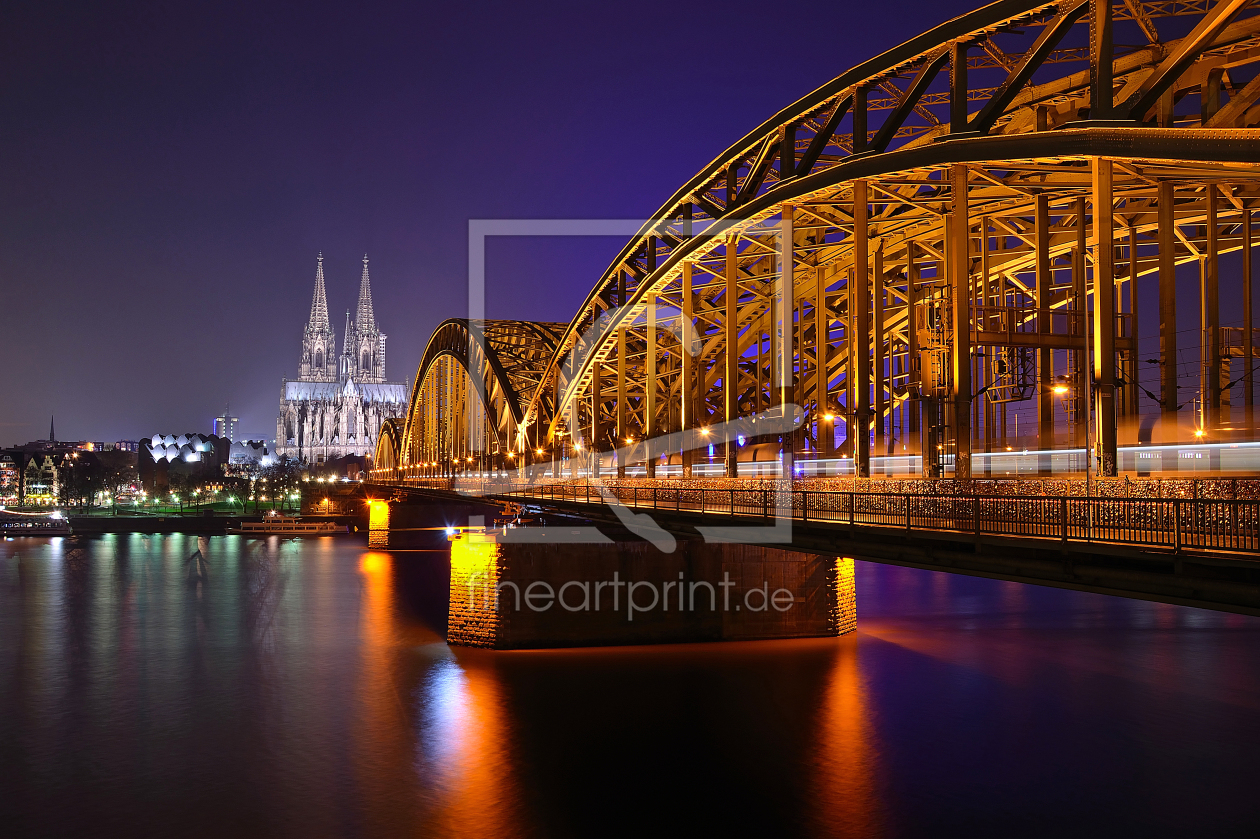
<point>1196,552</point>
<point>1169,524</point>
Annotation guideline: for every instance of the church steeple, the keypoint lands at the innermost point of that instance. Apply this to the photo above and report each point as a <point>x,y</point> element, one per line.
<point>319,305</point>
<point>319,342</point>
<point>365,318</point>
<point>368,354</point>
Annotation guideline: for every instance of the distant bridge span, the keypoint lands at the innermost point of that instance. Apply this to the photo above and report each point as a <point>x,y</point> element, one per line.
<point>964,225</point>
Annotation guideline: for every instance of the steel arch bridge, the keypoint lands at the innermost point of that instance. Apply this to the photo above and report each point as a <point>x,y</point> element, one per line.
<point>967,223</point>
<point>447,413</point>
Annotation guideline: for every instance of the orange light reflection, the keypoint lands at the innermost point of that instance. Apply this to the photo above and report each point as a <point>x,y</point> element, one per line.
<point>468,751</point>
<point>845,787</point>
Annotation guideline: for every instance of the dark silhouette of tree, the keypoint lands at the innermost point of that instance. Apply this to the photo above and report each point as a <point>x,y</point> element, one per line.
<point>118,473</point>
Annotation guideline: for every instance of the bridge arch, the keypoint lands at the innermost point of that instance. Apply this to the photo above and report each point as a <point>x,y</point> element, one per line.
<point>388,445</point>
<point>482,374</point>
<point>952,229</point>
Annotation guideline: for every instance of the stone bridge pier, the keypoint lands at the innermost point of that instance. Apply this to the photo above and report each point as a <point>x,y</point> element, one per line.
<point>511,594</point>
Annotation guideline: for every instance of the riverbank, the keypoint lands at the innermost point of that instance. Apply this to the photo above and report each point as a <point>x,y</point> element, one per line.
<point>201,524</point>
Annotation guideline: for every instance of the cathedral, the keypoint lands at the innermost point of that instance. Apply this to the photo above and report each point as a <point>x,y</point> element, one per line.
<point>336,405</point>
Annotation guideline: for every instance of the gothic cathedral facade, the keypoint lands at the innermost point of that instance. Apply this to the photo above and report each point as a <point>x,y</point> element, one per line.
<point>337,404</point>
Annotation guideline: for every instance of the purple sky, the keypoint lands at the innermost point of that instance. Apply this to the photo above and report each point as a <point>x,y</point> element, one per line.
<point>170,171</point>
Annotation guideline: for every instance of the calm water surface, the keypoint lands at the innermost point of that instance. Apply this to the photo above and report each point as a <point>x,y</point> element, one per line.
<point>302,688</point>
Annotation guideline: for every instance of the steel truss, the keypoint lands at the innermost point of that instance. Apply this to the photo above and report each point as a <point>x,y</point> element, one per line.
<point>958,224</point>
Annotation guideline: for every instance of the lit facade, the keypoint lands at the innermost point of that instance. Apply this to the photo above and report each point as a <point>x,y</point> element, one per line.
<point>337,404</point>
<point>10,479</point>
<point>40,484</point>
<point>225,425</point>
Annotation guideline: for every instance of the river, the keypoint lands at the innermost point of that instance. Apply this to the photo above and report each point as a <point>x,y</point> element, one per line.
<point>302,688</point>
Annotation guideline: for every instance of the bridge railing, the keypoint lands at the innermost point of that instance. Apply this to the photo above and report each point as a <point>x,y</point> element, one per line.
<point>1161,523</point>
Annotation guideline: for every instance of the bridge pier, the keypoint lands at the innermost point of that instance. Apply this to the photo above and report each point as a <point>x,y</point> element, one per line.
<point>508,594</point>
<point>420,523</point>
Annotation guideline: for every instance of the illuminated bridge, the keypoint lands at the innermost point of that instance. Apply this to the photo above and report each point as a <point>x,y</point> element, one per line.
<point>954,234</point>
<point>931,266</point>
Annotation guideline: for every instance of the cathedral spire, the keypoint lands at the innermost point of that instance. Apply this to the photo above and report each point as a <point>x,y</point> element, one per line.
<point>319,342</point>
<point>319,305</point>
<point>345,367</point>
<point>365,318</point>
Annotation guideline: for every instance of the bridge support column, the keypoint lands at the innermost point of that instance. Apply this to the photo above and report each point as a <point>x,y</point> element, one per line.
<point>1249,352</point>
<point>848,411</point>
<point>597,430</point>
<point>649,391</point>
<point>824,415</point>
<point>860,342</point>
<point>785,364</point>
<point>1104,372</point>
<point>960,288</point>
<point>687,372</point>
<point>877,288</point>
<point>1167,321</point>
<point>914,361</point>
<point>1080,305</point>
<point>622,445</point>
<point>515,595</point>
<point>1045,356</point>
<point>730,373</point>
<point>1133,356</point>
<point>1211,307</point>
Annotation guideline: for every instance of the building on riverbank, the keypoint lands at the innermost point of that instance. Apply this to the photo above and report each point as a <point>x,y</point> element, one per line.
<point>199,455</point>
<point>10,479</point>
<point>40,480</point>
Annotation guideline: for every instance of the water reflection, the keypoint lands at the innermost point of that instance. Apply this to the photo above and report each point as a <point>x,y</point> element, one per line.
<point>170,685</point>
<point>462,749</point>
<point>848,802</point>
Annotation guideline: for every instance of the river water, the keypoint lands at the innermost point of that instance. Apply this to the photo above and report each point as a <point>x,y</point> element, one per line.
<point>302,688</point>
